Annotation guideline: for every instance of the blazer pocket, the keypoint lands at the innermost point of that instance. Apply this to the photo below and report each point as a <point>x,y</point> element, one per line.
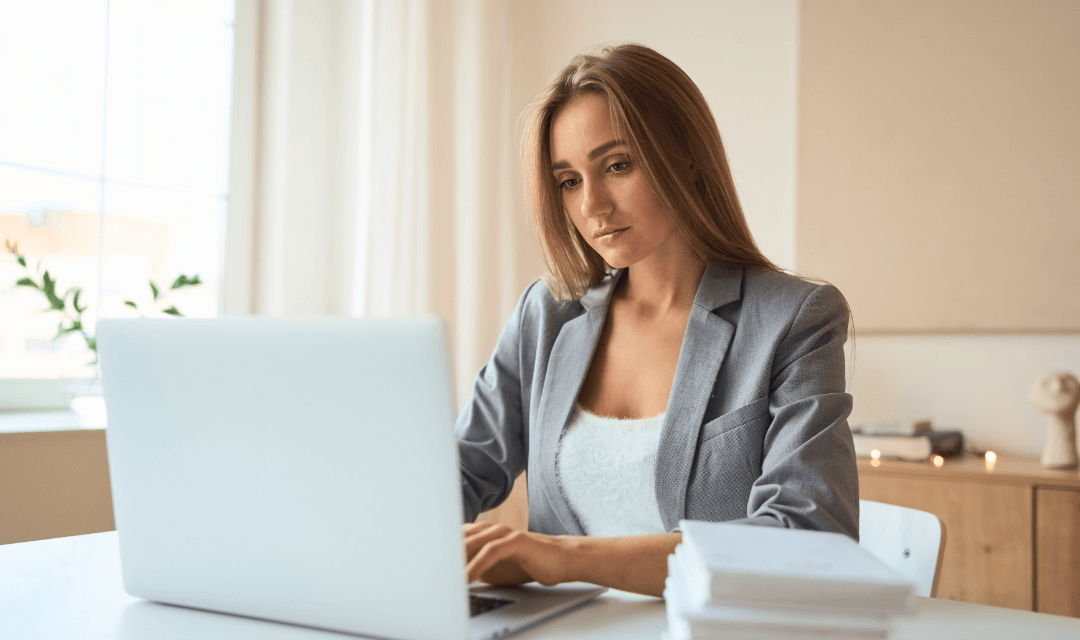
<point>735,419</point>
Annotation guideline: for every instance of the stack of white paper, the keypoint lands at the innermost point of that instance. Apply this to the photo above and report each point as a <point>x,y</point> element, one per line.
<point>742,581</point>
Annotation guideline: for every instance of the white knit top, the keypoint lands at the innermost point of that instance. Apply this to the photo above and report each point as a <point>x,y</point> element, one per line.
<point>607,468</point>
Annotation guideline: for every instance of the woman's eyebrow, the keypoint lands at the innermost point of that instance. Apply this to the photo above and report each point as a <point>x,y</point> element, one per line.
<point>593,155</point>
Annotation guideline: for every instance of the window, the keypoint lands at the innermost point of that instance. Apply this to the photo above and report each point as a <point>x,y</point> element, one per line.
<point>114,151</point>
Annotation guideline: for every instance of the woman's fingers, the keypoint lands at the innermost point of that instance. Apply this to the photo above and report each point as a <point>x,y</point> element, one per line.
<point>493,547</point>
<point>506,554</point>
<point>506,573</point>
<point>472,527</point>
<point>480,536</point>
<point>497,554</point>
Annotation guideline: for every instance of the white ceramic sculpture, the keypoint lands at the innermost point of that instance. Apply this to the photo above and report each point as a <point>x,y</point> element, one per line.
<point>1057,394</point>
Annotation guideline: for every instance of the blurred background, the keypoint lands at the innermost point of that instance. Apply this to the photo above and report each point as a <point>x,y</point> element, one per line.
<point>361,157</point>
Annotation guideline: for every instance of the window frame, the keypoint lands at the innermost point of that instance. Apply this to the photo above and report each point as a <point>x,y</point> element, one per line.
<point>234,292</point>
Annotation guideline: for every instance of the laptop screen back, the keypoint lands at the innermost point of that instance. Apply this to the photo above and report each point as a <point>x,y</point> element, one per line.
<point>301,470</point>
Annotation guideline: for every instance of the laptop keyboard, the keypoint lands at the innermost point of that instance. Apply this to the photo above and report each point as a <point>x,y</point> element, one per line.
<point>483,604</point>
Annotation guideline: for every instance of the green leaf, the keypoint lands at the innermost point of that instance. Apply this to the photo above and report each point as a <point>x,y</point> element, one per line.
<point>49,288</point>
<point>67,294</point>
<point>27,282</point>
<point>21,260</point>
<point>75,326</point>
<point>75,301</point>
<point>184,281</point>
<point>131,304</point>
<point>154,289</point>
<point>92,343</point>
<point>172,311</point>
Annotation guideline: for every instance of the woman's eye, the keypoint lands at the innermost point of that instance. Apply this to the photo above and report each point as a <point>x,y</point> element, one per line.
<point>569,183</point>
<point>619,167</point>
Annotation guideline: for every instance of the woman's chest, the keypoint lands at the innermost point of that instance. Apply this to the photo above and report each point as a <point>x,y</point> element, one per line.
<point>632,369</point>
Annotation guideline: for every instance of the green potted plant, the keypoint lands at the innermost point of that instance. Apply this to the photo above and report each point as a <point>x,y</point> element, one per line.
<point>70,305</point>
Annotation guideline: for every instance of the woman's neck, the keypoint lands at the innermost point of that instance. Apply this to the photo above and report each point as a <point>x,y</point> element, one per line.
<point>663,281</point>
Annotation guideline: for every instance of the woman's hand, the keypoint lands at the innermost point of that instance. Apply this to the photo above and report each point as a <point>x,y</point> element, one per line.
<point>499,555</point>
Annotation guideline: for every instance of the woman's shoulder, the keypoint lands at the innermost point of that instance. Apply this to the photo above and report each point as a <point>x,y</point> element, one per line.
<point>539,297</point>
<point>777,290</point>
<point>539,302</point>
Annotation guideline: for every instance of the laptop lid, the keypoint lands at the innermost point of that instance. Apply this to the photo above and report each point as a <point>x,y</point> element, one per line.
<point>300,470</point>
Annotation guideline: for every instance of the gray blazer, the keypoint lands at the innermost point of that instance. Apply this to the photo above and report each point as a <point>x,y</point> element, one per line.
<point>756,426</point>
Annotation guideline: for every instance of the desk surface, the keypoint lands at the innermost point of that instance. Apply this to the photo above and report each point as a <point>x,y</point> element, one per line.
<point>70,589</point>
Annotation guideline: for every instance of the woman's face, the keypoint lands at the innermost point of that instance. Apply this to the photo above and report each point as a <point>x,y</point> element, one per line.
<point>604,192</point>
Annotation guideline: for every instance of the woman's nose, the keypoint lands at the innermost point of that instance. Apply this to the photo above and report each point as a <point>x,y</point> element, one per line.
<point>596,200</point>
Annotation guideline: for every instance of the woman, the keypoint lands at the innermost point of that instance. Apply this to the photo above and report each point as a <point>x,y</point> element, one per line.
<point>667,370</point>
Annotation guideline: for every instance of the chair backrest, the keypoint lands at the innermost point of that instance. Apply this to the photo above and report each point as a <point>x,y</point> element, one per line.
<point>908,540</point>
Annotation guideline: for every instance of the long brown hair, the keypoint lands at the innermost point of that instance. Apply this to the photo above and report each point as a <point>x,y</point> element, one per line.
<point>672,136</point>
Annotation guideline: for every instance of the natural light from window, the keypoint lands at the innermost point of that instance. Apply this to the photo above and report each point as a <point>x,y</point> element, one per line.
<point>114,149</point>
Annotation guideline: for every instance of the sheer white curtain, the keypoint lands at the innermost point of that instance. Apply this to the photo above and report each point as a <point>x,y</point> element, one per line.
<point>373,168</point>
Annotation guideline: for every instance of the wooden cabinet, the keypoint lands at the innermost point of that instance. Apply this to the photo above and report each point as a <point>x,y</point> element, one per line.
<point>52,484</point>
<point>1057,545</point>
<point>1012,530</point>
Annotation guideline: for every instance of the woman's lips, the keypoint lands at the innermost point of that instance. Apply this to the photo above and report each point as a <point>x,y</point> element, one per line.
<point>605,237</point>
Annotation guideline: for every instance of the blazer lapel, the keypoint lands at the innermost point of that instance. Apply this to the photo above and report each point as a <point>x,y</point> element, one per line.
<point>704,347</point>
<point>569,362</point>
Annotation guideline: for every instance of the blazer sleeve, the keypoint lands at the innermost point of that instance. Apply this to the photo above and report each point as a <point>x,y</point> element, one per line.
<point>809,478</point>
<point>491,429</point>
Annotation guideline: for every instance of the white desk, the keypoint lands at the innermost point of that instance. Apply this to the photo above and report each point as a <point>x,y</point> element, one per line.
<point>70,589</point>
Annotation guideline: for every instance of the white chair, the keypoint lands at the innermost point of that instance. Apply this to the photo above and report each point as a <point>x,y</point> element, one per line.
<point>910,541</point>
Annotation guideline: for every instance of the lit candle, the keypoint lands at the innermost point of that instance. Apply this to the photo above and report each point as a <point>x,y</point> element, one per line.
<point>938,461</point>
<point>991,460</point>
<point>875,454</point>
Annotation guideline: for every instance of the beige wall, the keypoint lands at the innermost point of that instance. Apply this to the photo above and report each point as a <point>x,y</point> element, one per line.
<point>939,188</point>
<point>975,383</point>
<point>939,162</point>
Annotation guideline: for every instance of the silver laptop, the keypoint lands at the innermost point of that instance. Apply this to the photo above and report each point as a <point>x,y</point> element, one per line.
<point>298,470</point>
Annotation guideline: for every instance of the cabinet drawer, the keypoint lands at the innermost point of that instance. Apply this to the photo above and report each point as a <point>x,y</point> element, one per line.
<point>988,534</point>
<point>1057,551</point>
